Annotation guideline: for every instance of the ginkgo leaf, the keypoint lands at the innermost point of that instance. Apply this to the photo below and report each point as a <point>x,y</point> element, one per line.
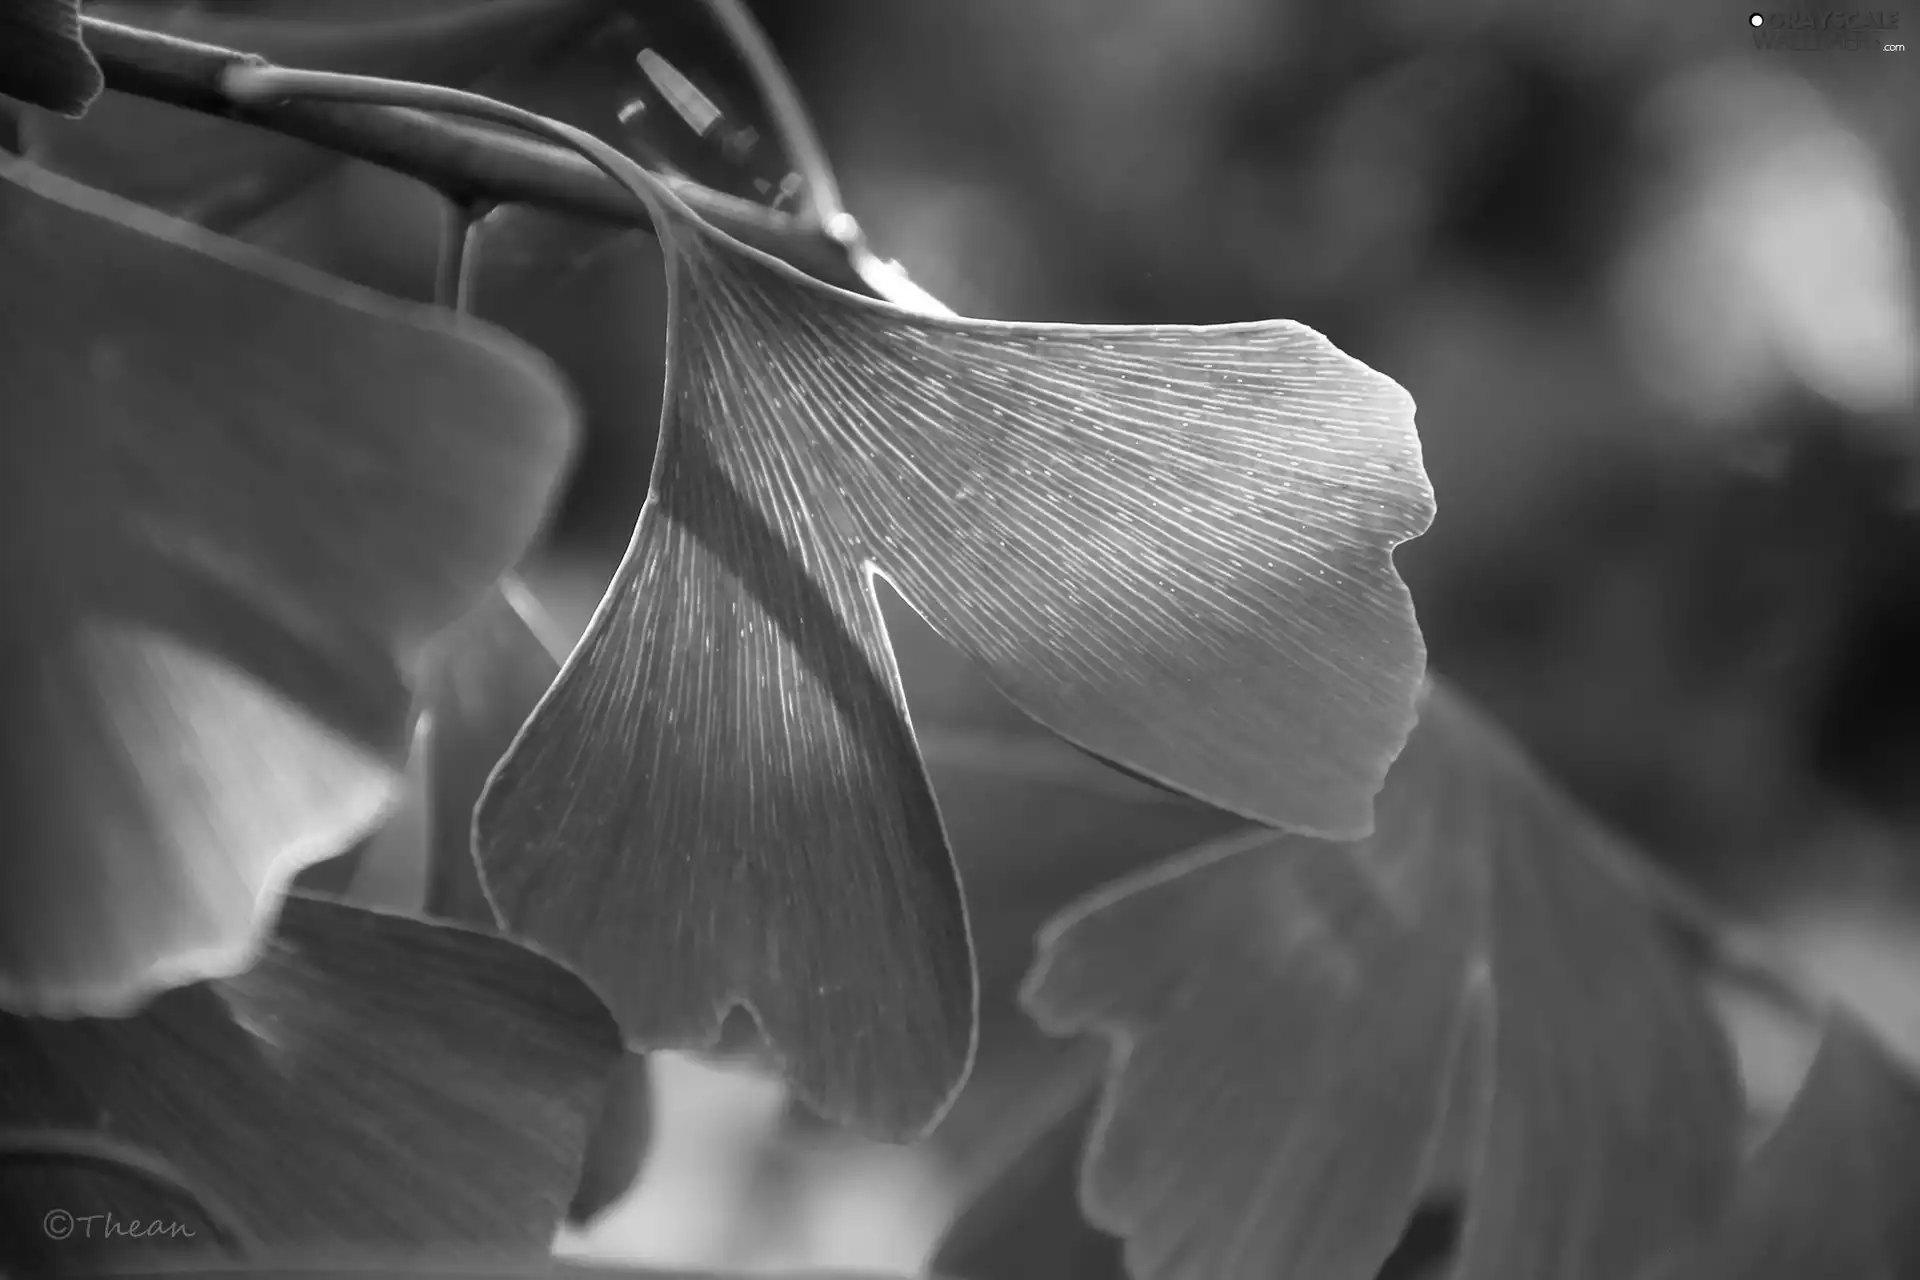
<point>373,1081</point>
<point>487,675</point>
<point>240,499</point>
<point>617,1147</point>
<point>1169,544</point>
<point>389,867</point>
<point>1832,1191</point>
<point>1025,1222</point>
<point>1479,953</point>
<point>92,1185</point>
<point>42,58</point>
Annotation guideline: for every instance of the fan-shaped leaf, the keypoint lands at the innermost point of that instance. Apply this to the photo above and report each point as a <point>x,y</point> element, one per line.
<point>1833,1191</point>
<point>487,675</point>
<point>42,58</point>
<point>240,498</point>
<point>1289,1017</point>
<point>373,1081</point>
<point>1172,545</point>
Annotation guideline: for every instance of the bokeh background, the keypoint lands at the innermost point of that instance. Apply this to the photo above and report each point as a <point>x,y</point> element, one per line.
<point>1650,283</point>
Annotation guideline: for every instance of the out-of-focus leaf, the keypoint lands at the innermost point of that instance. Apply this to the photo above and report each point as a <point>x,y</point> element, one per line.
<point>617,1149</point>
<point>373,1081</point>
<point>333,877</point>
<point>391,871</point>
<point>1030,837</point>
<point>69,1207</point>
<point>1289,1017</point>
<point>1024,1222</point>
<point>242,498</point>
<point>488,673</point>
<point>202,167</point>
<point>484,675</point>
<point>388,868</point>
<point>1834,1191</point>
<point>1034,824</point>
<point>591,296</point>
<point>42,58</point>
<point>1172,545</point>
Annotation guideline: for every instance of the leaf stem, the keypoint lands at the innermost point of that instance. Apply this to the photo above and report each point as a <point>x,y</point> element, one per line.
<point>248,82</point>
<point>463,161</point>
<point>790,118</point>
<point>882,278</point>
<point>452,270</point>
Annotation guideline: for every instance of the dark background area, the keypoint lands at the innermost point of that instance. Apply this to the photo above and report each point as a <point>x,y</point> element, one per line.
<point>1650,285</point>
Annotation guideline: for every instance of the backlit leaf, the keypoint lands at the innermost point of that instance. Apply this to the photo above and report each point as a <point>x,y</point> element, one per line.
<point>1170,544</point>
<point>42,58</point>
<point>240,499</point>
<point>373,1081</point>
<point>1833,1191</point>
<point>1297,1027</point>
<point>488,672</point>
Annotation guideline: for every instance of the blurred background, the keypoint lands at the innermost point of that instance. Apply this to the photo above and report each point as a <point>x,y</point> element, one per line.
<point>1649,280</point>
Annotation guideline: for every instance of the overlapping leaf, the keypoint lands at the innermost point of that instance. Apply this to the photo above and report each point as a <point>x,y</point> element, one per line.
<point>617,1148</point>
<point>1172,545</point>
<point>374,1081</point>
<point>484,675</point>
<point>239,499</point>
<point>42,59</point>
<point>389,867</point>
<point>1025,1223</point>
<point>1835,1189</point>
<point>1311,1039</point>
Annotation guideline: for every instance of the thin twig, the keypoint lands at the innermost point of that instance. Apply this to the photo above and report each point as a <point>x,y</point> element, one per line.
<point>790,119</point>
<point>259,84</point>
<point>882,277</point>
<point>463,161</point>
<point>453,269</point>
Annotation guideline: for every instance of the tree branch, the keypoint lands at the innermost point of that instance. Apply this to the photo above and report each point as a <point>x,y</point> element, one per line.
<point>465,162</point>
